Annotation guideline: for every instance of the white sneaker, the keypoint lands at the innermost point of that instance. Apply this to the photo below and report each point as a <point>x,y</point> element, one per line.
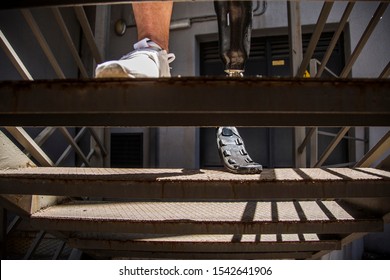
<point>147,60</point>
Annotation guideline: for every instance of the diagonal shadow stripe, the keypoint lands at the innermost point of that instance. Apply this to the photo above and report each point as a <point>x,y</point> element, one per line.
<point>247,216</point>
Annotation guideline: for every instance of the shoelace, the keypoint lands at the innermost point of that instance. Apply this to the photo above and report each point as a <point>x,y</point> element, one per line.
<point>147,44</point>
<point>171,57</point>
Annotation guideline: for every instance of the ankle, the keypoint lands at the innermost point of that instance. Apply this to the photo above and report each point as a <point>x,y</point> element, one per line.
<point>149,41</point>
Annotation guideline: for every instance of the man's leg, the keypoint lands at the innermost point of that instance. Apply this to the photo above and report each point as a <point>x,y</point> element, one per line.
<point>150,58</point>
<point>153,20</point>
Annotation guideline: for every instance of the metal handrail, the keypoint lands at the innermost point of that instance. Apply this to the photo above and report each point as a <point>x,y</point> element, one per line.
<point>18,132</point>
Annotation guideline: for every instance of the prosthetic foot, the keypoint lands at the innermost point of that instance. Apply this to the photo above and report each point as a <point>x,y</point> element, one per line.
<point>234,26</point>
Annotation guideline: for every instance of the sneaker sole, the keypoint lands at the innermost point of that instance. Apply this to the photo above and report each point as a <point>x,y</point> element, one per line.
<point>113,70</point>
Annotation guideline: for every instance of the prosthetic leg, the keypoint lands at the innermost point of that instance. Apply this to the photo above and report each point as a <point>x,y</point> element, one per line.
<point>234,26</point>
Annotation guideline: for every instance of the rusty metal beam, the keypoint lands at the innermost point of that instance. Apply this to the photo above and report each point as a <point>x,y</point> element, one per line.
<point>222,243</point>
<point>335,38</point>
<point>69,41</point>
<point>173,184</point>
<point>59,250</point>
<point>35,244</point>
<point>363,40</point>
<point>86,27</point>
<point>68,149</point>
<point>196,101</point>
<point>332,145</point>
<point>296,55</point>
<point>44,135</point>
<point>74,145</point>
<point>43,43</point>
<point>46,3</point>
<point>202,256</point>
<point>376,152</point>
<point>386,71</point>
<point>14,58</point>
<point>98,141</point>
<point>307,139</point>
<point>14,224</point>
<point>325,11</point>
<point>29,144</point>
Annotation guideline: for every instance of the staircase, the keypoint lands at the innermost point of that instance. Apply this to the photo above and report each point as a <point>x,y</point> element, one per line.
<point>184,214</point>
<point>286,213</point>
<point>299,213</point>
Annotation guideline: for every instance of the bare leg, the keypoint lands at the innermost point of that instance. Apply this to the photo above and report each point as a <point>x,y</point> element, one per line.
<point>153,20</point>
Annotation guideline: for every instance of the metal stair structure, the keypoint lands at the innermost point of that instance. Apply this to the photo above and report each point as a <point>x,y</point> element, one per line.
<point>287,213</point>
<point>174,213</point>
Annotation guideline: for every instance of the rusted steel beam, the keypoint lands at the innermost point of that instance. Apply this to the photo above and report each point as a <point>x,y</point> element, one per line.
<point>376,18</point>
<point>45,3</point>
<point>201,256</point>
<point>172,184</point>
<point>196,101</point>
<point>376,152</point>
<point>197,184</point>
<point>227,243</point>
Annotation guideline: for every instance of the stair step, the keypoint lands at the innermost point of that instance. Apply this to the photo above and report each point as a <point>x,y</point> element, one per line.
<point>168,184</point>
<point>253,217</point>
<point>196,101</point>
<point>222,243</point>
<point>200,256</point>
